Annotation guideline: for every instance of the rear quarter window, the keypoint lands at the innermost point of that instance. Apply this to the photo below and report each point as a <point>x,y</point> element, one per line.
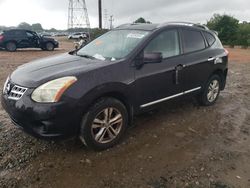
<point>192,40</point>
<point>210,38</point>
<point>15,33</point>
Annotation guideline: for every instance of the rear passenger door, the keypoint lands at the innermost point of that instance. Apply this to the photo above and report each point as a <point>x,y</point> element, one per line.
<point>18,36</point>
<point>24,42</point>
<point>195,59</point>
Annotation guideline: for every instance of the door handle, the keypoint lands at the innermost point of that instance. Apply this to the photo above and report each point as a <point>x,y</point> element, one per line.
<point>211,59</point>
<point>177,69</point>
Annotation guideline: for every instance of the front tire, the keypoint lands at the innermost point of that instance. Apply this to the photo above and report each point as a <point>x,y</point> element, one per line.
<point>211,91</point>
<point>49,46</point>
<point>104,124</point>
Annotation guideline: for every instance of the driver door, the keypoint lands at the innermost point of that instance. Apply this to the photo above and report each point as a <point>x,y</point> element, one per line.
<point>156,82</point>
<point>32,39</point>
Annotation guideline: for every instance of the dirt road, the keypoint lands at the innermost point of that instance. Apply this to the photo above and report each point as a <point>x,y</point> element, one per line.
<point>178,145</point>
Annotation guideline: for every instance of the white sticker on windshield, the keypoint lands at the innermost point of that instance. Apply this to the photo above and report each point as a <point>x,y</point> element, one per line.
<point>99,56</point>
<point>135,35</point>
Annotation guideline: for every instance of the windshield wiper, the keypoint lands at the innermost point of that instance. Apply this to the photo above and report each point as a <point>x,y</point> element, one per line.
<point>86,56</point>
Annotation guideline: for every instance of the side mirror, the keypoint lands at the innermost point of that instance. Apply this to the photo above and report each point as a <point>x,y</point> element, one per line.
<point>154,57</point>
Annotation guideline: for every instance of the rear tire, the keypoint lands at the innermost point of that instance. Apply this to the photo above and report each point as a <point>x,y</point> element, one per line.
<point>104,124</point>
<point>11,46</point>
<point>211,91</point>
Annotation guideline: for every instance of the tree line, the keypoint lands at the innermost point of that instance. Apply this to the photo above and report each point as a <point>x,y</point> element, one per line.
<point>231,31</point>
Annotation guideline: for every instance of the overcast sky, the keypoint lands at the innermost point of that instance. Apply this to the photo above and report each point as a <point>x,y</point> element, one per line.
<point>53,13</point>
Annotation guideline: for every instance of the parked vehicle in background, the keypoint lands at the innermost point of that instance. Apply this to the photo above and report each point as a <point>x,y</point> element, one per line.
<point>46,34</point>
<point>13,39</point>
<point>94,92</point>
<point>79,35</point>
<point>60,34</point>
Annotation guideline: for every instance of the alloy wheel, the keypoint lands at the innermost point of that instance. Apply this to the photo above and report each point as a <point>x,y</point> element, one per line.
<point>49,46</point>
<point>107,125</point>
<point>213,91</point>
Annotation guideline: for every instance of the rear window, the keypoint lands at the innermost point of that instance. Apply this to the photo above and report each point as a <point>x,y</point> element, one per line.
<point>210,38</point>
<point>192,41</point>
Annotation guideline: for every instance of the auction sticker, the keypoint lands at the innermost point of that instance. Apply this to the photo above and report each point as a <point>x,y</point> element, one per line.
<point>135,35</point>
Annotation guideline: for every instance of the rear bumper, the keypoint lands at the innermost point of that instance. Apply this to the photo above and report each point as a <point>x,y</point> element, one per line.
<point>47,121</point>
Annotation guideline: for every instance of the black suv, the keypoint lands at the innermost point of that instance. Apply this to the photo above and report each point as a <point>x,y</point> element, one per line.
<point>17,38</point>
<point>94,92</point>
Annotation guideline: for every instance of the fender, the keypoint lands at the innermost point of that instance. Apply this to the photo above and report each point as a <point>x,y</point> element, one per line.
<point>117,90</point>
<point>120,91</point>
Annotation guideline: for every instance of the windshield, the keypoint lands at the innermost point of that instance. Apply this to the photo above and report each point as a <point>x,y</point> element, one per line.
<point>113,45</point>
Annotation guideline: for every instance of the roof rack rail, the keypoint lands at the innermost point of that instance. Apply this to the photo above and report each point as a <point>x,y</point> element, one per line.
<point>184,23</point>
<point>201,26</point>
<point>123,25</point>
<point>129,24</point>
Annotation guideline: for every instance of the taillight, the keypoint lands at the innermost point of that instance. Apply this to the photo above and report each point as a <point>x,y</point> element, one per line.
<point>1,37</point>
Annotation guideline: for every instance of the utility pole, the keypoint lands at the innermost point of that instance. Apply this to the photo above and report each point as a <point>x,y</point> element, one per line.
<point>106,19</point>
<point>100,13</point>
<point>111,20</point>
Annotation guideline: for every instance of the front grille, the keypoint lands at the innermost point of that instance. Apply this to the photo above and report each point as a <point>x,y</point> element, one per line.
<point>17,92</point>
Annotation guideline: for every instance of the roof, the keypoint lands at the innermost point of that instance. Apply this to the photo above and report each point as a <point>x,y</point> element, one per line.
<point>17,30</point>
<point>151,27</point>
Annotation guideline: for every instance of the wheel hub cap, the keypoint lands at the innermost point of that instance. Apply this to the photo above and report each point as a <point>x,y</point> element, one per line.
<point>213,90</point>
<point>107,125</point>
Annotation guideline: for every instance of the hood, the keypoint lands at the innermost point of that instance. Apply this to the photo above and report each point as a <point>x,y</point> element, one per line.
<point>37,72</point>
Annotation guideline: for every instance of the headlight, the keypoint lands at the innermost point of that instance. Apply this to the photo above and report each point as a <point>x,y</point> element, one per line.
<point>52,91</point>
<point>5,84</point>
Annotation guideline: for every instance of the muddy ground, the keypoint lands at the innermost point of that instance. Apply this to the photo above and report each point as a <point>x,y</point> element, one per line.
<point>178,145</point>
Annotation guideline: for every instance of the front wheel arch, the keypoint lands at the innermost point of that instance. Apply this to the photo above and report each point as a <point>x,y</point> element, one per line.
<point>118,91</point>
<point>115,95</point>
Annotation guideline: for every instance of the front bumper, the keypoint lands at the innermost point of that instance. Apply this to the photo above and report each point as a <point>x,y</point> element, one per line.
<point>56,44</point>
<point>57,120</point>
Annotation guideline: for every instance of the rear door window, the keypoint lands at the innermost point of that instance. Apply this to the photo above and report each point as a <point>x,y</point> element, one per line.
<point>166,42</point>
<point>192,41</point>
<point>210,38</point>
